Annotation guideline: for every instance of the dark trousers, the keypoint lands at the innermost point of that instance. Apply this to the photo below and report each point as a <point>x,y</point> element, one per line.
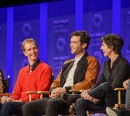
<point>128,97</point>
<point>104,92</point>
<point>45,106</point>
<point>11,108</point>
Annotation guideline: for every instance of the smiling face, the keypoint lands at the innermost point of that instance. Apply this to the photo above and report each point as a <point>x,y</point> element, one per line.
<point>76,47</point>
<point>106,50</point>
<point>31,51</point>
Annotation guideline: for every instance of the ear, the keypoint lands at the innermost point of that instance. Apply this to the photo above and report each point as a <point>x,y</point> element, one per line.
<point>84,45</point>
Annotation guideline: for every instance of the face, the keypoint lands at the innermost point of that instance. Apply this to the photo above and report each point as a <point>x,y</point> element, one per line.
<point>106,50</point>
<point>75,45</point>
<point>31,51</point>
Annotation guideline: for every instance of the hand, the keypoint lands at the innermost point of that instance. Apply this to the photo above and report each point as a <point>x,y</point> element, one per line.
<point>55,93</point>
<point>86,96</point>
<point>125,84</point>
<point>5,99</point>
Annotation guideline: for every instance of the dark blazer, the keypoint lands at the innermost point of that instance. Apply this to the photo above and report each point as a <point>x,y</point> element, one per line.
<point>119,72</point>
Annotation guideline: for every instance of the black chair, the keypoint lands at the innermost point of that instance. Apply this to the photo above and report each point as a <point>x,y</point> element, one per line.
<point>6,83</point>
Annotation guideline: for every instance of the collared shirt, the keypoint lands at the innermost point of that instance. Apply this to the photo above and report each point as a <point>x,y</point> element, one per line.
<point>31,68</point>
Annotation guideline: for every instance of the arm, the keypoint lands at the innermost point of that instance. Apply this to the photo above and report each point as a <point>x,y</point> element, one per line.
<point>56,90</point>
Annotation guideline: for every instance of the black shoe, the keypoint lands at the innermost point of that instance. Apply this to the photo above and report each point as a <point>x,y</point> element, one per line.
<point>117,112</point>
<point>70,98</point>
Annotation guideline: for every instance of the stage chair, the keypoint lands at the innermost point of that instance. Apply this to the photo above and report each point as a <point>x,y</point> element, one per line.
<point>6,89</point>
<point>89,113</point>
<point>119,105</point>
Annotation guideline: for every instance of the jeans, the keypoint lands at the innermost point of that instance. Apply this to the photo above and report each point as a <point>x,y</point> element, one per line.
<point>104,92</point>
<point>128,97</point>
<point>45,106</point>
<point>11,108</point>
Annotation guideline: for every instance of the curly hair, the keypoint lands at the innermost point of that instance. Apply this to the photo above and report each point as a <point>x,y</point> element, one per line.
<point>84,37</point>
<point>113,41</point>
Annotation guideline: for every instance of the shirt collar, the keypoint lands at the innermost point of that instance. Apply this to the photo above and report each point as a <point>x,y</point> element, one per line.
<point>35,64</point>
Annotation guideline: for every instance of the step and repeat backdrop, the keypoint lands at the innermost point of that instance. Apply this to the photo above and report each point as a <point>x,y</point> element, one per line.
<point>51,23</point>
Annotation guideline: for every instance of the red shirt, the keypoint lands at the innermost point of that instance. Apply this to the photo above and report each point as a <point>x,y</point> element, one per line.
<point>37,80</point>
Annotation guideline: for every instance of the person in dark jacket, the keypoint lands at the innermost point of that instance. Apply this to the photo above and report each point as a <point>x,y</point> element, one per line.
<point>115,70</point>
<point>78,73</point>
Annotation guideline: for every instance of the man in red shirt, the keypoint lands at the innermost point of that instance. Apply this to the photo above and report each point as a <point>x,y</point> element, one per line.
<point>34,77</point>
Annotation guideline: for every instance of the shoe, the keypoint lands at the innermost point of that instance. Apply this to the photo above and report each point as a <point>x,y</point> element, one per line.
<point>70,98</point>
<point>117,112</point>
<point>111,112</point>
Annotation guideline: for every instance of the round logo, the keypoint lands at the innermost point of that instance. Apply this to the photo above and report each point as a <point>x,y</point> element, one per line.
<point>60,44</point>
<point>98,56</point>
<point>26,29</point>
<point>97,20</point>
<point>25,62</point>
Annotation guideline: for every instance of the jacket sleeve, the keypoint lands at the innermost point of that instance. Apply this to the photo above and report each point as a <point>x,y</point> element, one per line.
<point>17,88</point>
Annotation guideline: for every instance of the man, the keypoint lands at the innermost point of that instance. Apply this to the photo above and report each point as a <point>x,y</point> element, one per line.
<point>34,77</point>
<point>124,111</point>
<point>78,73</point>
<point>115,70</point>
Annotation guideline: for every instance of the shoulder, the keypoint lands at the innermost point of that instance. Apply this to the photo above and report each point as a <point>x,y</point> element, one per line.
<point>68,61</point>
<point>44,65</point>
<point>91,59</point>
<point>24,69</point>
<point>123,61</point>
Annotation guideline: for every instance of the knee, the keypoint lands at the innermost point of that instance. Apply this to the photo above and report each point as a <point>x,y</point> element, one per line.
<point>106,85</point>
<point>6,106</point>
<point>50,103</point>
<point>79,103</point>
<point>25,108</point>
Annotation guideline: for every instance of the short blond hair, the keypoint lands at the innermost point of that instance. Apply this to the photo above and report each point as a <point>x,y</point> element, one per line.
<point>29,40</point>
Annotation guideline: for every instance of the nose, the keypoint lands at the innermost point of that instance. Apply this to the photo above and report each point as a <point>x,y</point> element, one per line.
<point>101,47</point>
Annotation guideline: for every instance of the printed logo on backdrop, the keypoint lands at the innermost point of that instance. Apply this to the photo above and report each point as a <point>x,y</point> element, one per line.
<point>128,55</point>
<point>24,63</point>
<point>26,29</point>
<point>95,39</point>
<point>60,44</point>
<point>60,26</point>
<point>128,17</point>
<point>97,20</point>
<point>98,56</point>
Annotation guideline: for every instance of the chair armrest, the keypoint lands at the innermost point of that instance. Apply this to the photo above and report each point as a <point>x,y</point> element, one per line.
<point>5,94</point>
<point>31,92</point>
<point>119,89</point>
<point>43,92</point>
